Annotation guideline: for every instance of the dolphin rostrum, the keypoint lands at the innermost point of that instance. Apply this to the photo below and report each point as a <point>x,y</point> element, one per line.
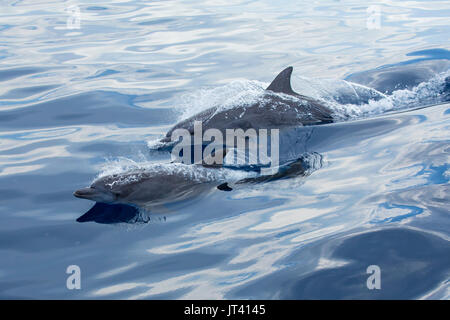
<point>278,107</point>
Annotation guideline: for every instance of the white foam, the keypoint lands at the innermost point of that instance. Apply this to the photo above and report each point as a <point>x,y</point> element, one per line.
<point>239,92</point>
<point>192,172</point>
<point>155,144</point>
<point>426,93</point>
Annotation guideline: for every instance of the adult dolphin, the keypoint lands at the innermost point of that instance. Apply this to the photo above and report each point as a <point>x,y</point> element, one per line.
<point>278,107</point>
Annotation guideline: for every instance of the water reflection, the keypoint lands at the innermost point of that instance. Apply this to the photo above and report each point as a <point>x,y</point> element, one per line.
<point>73,100</point>
<point>341,267</point>
<point>111,213</point>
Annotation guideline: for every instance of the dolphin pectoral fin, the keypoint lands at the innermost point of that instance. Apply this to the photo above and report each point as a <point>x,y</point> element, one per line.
<point>224,187</point>
<point>282,82</point>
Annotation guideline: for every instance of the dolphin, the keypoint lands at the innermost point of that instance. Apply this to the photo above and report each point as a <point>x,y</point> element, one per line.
<point>163,183</point>
<point>278,107</point>
<point>120,196</point>
<point>126,196</point>
<point>158,185</point>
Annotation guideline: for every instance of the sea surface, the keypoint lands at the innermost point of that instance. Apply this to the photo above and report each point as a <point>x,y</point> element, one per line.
<point>88,88</point>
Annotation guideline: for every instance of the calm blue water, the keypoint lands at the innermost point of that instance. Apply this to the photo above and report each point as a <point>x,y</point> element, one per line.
<point>78,101</point>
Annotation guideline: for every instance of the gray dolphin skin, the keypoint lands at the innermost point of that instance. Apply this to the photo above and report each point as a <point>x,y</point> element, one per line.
<point>278,107</point>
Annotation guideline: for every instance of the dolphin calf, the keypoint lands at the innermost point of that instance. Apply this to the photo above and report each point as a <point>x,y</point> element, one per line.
<point>157,185</point>
<point>119,196</point>
<point>126,196</point>
<point>278,107</point>
<point>169,182</point>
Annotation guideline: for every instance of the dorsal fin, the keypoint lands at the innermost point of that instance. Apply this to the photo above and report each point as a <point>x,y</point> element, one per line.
<point>282,83</point>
